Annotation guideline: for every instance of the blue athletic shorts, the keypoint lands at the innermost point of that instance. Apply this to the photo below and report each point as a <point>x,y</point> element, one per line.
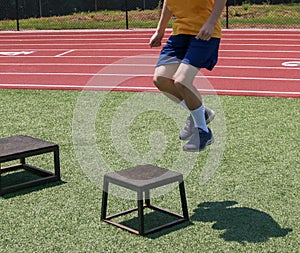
<point>187,49</point>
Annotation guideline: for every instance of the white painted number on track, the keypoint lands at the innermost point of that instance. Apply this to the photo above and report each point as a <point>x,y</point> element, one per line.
<point>291,64</point>
<point>16,53</point>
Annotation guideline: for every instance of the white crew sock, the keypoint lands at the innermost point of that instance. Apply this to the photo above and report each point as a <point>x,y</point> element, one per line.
<point>199,118</point>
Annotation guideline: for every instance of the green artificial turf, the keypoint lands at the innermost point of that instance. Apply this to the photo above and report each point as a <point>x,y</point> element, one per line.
<point>250,203</point>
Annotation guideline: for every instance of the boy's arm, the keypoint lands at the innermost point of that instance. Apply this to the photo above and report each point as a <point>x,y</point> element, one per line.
<point>165,17</point>
<point>207,29</point>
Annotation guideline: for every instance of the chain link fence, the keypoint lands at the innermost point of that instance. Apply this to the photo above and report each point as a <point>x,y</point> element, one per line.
<point>130,14</point>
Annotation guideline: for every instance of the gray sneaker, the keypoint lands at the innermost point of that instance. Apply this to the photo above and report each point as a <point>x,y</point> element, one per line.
<point>209,115</point>
<point>188,129</point>
<point>199,140</point>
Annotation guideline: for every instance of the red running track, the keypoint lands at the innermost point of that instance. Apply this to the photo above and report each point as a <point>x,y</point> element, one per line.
<point>251,62</point>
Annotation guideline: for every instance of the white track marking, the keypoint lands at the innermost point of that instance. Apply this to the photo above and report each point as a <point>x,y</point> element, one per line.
<point>16,53</point>
<point>150,75</point>
<point>224,40</point>
<point>152,50</point>
<point>147,32</point>
<point>291,64</point>
<point>285,65</point>
<point>156,57</point>
<point>138,44</point>
<point>62,54</point>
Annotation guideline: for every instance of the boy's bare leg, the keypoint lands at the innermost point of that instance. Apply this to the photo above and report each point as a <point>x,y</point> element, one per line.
<point>202,135</point>
<point>163,80</point>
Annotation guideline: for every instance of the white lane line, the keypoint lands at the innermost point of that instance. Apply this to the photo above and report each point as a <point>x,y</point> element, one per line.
<point>65,53</point>
<point>151,51</point>
<point>286,65</point>
<point>156,57</point>
<point>223,41</point>
<point>150,75</point>
<point>141,32</point>
<point>141,44</point>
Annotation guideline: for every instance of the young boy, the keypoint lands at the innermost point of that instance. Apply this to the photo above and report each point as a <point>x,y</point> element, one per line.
<point>193,45</point>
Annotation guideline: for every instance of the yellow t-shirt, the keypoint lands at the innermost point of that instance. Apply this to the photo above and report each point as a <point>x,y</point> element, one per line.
<point>191,16</point>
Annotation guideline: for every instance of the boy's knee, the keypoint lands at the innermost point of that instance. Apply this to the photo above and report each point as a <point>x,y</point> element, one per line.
<point>179,86</point>
<point>156,80</point>
<point>163,75</point>
<point>160,81</point>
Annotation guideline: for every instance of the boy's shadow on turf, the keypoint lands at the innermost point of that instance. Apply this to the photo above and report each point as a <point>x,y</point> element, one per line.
<point>241,224</point>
